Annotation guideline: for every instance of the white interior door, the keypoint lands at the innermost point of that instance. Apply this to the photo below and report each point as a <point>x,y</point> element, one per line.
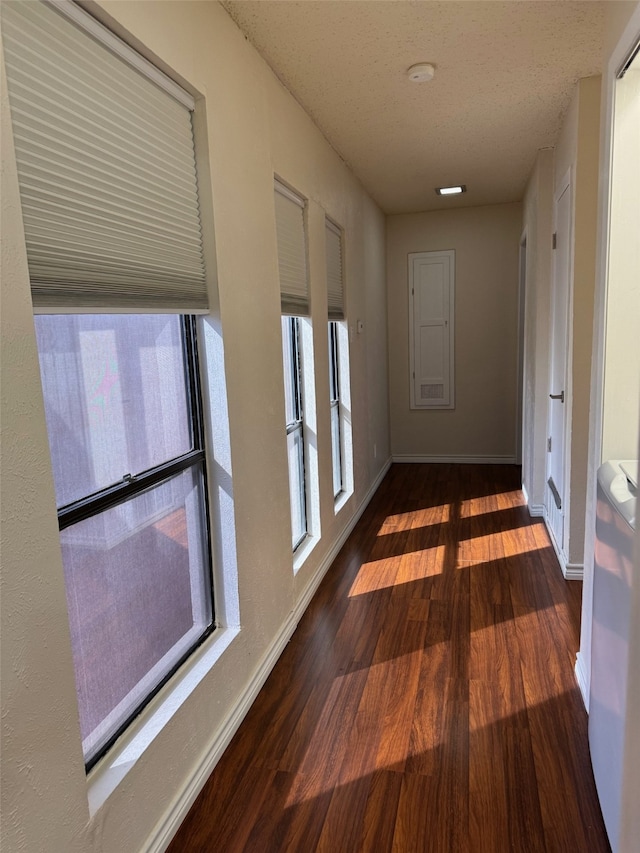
<point>555,503</point>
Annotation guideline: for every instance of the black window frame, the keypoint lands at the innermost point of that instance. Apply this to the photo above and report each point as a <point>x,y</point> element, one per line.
<point>334,405</point>
<point>297,424</point>
<point>133,485</point>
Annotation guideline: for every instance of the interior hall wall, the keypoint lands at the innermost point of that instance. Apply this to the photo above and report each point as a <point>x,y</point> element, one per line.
<point>621,35</point>
<point>577,153</point>
<point>252,128</point>
<point>482,426</point>
<point>621,409</point>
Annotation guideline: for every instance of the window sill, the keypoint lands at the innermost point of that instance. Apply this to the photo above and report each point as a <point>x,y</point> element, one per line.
<point>105,777</point>
<point>341,500</point>
<point>302,552</point>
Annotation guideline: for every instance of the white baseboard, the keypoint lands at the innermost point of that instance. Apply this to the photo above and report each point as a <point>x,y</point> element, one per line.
<point>559,554</point>
<point>459,460</point>
<point>570,571</point>
<point>583,679</point>
<point>535,510</point>
<point>573,571</point>
<point>168,826</point>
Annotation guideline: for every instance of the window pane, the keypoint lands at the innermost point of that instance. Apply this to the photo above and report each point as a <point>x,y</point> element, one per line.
<point>335,449</point>
<point>333,362</point>
<point>138,599</point>
<point>295,451</point>
<point>115,397</point>
<point>334,392</point>
<point>289,362</point>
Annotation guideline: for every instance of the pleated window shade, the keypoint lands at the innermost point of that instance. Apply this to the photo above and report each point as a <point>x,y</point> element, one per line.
<point>106,167</point>
<point>292,252</point>
<point>335,286</point>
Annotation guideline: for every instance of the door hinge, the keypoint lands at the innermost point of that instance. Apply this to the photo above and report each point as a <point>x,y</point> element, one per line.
<point>549,445</point>
<point>555,239</point>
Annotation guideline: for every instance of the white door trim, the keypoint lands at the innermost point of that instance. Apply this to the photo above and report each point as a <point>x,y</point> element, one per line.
<point>522,299</point>
<point>441,317</point>
<point>551,512</point>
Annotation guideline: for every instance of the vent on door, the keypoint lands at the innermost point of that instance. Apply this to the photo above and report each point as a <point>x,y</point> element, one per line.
<point>431,392</point>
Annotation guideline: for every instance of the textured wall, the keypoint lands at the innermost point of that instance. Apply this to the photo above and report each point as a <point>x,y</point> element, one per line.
<point>254,128</point>
<point>486,243</point>
<point>584,276</point>
<point>622,354</point>
<point>43,786</point>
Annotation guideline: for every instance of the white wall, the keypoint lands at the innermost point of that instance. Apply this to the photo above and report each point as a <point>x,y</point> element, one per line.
<point>623,32</point>
<point>577,151</point>
<point>576,155</point>
<point>483,424</point>
<point>621,411</point>
<point>584,277</point>
<point>254,128</point>
<point>617,208</point>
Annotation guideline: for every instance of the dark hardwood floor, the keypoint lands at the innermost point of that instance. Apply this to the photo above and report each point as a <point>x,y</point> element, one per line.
<point>427,700</point>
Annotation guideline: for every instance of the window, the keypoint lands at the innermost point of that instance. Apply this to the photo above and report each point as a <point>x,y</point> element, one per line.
<point>339,390</point>
<point>110,201</point>
<point>291,234</point>
<point>334,402</point>
<point>106,166</point>
<point>294,427</point>
<point>125,430</point>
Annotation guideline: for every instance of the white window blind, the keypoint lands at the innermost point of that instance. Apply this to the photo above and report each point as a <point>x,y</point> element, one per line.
<point>292,252</point>
<point>335,287</point>
<point>106,167</point>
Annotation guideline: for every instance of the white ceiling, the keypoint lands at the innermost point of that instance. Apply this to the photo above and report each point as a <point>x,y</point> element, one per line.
<point>505,72</point>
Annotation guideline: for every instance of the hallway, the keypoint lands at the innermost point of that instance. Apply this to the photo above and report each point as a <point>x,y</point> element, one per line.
<point>427,700</point>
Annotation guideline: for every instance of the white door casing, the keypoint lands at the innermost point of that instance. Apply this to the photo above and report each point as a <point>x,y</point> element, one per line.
<point>555,493</point>
<point>431,329</point>
<point>522,281</point>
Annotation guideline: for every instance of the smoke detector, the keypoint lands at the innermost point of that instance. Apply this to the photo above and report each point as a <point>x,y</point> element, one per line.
<point>421,73</point>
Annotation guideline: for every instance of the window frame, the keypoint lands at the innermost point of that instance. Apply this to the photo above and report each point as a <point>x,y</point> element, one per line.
<point>118,493</point>
<point>334,409</point>
<point>135,485</point>
<point>297,424</point>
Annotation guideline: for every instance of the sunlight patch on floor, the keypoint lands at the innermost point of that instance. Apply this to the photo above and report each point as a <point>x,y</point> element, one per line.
<point>415,519</point>
<point>387,730</point>
<point>377,736</point>
<point>394,571</point>
<point>490,503</point>
<point>495,546</point>
<point>497,692</point>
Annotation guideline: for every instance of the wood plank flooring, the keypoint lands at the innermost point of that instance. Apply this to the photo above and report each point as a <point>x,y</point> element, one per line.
<point>427,701</point>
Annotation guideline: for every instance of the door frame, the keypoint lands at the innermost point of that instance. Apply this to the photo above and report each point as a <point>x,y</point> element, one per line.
<point>522,297</point>
<point>566,184</point>
<point>449,322</point>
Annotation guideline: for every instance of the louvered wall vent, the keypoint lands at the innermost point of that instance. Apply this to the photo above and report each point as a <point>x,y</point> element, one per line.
<point>431,392</point>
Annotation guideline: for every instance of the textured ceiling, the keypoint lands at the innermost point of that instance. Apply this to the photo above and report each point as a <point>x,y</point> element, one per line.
<point>505,72</point>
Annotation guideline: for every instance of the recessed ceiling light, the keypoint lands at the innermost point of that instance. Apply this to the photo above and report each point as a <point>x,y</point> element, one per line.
<point>421,73</point>
<point>460,188</point>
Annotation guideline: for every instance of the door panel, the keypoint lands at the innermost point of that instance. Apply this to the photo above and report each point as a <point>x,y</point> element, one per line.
<point>431,283</point>
<point>556,457</point>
